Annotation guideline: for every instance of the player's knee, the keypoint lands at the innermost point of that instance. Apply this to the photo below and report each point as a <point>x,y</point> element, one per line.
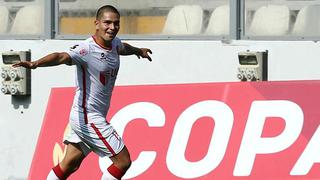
<point>122,160</point>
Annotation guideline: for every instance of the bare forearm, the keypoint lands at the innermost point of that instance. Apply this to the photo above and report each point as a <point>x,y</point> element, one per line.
<point>51,60</point>
<point>130,50</point>
<point>127,49</point>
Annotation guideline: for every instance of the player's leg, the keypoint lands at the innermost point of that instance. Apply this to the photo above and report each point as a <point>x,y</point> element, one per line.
<point>70,163</point>
<point>121,163</point>
<point>105,141</point>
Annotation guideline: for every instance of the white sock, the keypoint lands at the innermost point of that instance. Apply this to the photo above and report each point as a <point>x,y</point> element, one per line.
<point>52,176</point>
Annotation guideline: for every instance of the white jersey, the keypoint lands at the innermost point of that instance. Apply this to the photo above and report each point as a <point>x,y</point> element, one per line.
<point>97,69</point>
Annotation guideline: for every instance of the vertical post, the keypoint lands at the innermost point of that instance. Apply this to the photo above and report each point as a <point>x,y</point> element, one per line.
<point>49,21</point>
<point>236,18</point>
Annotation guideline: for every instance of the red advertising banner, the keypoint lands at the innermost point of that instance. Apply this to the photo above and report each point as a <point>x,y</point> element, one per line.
<point>225,131</point>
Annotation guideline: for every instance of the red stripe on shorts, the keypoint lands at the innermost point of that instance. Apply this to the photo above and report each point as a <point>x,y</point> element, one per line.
<point>103,139</point>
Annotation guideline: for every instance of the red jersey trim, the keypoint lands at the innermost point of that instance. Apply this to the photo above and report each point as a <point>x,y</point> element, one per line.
<point>84,96</point>
<point>104,47</point>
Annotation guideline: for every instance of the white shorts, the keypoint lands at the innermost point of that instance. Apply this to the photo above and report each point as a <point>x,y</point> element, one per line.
<point>99,137</point>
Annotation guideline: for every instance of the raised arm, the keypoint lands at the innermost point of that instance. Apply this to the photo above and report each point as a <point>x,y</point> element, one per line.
<point>139,52</point>
<point>53,59</point>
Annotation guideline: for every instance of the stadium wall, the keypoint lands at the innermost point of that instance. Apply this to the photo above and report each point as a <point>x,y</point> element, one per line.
<point>174,62</point>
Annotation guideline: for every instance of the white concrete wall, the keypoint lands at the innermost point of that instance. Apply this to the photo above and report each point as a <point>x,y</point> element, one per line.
<point>173,62</point>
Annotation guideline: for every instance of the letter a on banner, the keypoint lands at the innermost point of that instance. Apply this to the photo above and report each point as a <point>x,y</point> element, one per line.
<point>309,156</point>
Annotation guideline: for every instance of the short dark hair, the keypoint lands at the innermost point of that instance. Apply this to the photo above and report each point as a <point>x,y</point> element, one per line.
<point>106,8</point>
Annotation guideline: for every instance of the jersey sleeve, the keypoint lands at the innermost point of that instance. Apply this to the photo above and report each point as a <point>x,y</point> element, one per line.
<point>78,53</point>
<point>118,43</point>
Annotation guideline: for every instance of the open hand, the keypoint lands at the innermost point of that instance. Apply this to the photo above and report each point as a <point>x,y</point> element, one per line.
<point>26,64</point>
<point>145,53</point>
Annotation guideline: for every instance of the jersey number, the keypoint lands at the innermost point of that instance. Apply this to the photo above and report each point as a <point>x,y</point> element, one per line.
<point>105,76</point>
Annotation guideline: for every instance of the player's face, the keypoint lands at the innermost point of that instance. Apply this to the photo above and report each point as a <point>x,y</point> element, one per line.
<point>108,26</point>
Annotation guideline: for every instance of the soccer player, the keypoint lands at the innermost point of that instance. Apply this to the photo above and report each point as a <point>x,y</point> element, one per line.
<point>97,64</point>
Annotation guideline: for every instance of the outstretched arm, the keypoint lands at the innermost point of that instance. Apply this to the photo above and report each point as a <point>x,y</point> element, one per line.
<point>53,59</point>
<point>139,52</point>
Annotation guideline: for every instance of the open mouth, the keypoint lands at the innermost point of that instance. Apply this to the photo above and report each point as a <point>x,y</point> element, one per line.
<point>112,34</point>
